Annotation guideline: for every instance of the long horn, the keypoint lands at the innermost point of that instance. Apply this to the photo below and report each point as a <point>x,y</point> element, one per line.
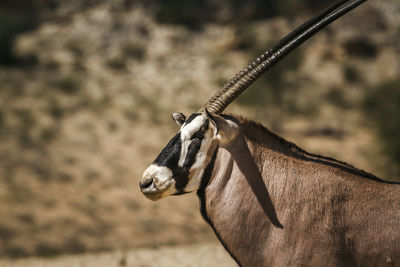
<point>241,81</point>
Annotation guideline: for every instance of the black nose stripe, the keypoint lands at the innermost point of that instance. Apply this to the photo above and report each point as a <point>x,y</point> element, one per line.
<point>169,156</point>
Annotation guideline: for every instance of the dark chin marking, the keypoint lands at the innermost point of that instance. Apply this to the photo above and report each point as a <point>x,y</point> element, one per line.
<point>180,175</point>
<point>201,193</point>
<point>180,193</point>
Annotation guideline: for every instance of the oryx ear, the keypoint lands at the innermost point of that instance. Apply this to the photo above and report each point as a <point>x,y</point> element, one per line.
<point>179,118</point>
<point>225,130</point>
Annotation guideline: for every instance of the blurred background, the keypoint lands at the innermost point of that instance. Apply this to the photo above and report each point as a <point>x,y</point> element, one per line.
<point>87,89</point>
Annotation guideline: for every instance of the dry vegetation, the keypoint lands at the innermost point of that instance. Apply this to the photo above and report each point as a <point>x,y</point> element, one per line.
<point>81,121</point>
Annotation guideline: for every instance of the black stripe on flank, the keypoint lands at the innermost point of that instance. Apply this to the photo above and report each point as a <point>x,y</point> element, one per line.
<point>206,179</point>
<point>201,193</point>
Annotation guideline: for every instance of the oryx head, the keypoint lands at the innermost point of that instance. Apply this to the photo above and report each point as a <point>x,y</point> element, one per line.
<point>180,165</point>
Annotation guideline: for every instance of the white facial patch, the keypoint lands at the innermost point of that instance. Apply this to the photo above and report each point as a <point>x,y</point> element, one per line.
<point>203,158</point>
<point>162,177</point>
<point>189,129</point>
<point>187,132</point>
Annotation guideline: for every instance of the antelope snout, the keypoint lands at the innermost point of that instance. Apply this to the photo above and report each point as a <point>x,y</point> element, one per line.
<point>146,183</point>
<point>155,181</point>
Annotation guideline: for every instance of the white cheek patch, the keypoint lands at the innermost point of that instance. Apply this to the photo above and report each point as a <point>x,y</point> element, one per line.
<point>187,131</point>
<point>203,158</point>
<point>182,156</point>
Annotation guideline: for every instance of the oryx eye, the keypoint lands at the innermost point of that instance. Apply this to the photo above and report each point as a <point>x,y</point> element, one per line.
<point>200,133</point>
<point>196,142</point>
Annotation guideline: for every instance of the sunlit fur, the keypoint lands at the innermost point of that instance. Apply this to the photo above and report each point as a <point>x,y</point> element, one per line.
<point>271,203</point>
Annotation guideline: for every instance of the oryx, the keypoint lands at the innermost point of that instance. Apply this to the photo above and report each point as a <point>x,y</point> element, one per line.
<point>269,202</point>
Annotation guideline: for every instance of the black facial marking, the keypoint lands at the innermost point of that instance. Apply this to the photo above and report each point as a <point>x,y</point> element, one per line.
<point>169,156</point>
<point>195,145</point>
<point>180,193</point>
<point>181,174</point>
<point>193,148</point>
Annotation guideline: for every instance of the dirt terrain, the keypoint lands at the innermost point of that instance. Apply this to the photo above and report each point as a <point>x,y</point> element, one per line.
<point>199,255</point>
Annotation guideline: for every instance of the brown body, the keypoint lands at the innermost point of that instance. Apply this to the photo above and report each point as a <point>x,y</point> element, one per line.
<point>273,204</point>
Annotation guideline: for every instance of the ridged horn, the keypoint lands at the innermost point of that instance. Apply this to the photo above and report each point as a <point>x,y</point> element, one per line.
<point>247,76</point>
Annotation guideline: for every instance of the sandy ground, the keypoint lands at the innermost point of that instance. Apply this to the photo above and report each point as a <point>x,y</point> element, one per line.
<point>211,254</point>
